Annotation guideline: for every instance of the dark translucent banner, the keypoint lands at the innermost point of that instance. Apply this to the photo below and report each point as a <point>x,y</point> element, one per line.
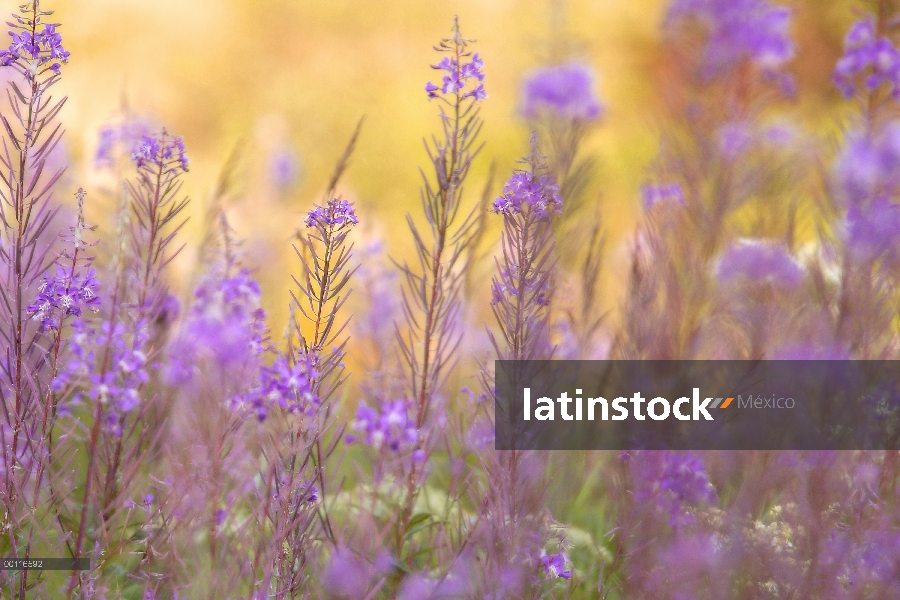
<point>698,405</point>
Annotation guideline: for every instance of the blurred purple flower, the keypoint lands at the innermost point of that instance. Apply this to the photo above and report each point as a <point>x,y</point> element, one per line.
<point>283,168</point>
<point>761,262</point>
<point>655,194</point>
<point>864,54</point>
<point>225,325</point>
<point>126,137</point>
<point>110,360</point>
<point>565,90</point>
<point>873,231</point>
<point>734,139</point>
<point>673,481</point>
<point>391,426</point>
<point>347,575</point>
<point>870,165</point>
<point>739,29</point>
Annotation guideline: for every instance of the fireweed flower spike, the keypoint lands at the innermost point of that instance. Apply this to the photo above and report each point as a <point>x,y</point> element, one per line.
<point>459,76</point>
<point>324,254</point>
<point>528,202</point>
<point>301,381</point>
<point>427,349</point>
<point>164,152</point>
<point>429,340</point>
<point>160,162</point>
<point>73,286</point>
<point>33,51</point>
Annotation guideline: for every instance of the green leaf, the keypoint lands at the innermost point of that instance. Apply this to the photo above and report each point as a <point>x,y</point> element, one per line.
<point>416,519</point>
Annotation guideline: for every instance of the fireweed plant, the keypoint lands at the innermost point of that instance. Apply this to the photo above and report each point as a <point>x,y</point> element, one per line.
<point>189,452</point>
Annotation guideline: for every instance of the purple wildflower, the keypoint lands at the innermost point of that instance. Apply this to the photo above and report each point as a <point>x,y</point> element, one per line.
<point>24,43</point>
<point>869,166</point>
<point>111,361</point>
<point>312,494</point>
<point>164,152</point>
<point>346,575</point>
<point>336,215</point>
<point>63,295</point>
<point>655,194</point>
<point>457,77</point>
<point>127,136</point>
<point>761,262</point>
<point>30,51</point>
<point>525,192</point>
<point>873,231</point>
<point>392,426</point>
<point>225,324</point>
<point>741,29</point>
<point>292,388</point>
<point>565,90</point>
<point>554,565</point>
<point>878,59</point>
<point>734,139</point>
<point>283,168</point>
<point>673,482</point>
<point>51,41</point>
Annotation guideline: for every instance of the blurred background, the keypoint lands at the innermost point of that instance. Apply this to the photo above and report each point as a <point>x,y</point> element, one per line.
<point>281,84</point>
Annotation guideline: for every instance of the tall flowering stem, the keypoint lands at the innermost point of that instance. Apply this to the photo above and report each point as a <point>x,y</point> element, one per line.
<point>522,291</point>
<point>160,162</point>
<point>319,295</point>
<point>30,136</point>
<point>316,366</point>
<point>431,294</point>
<point>322,293</point>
